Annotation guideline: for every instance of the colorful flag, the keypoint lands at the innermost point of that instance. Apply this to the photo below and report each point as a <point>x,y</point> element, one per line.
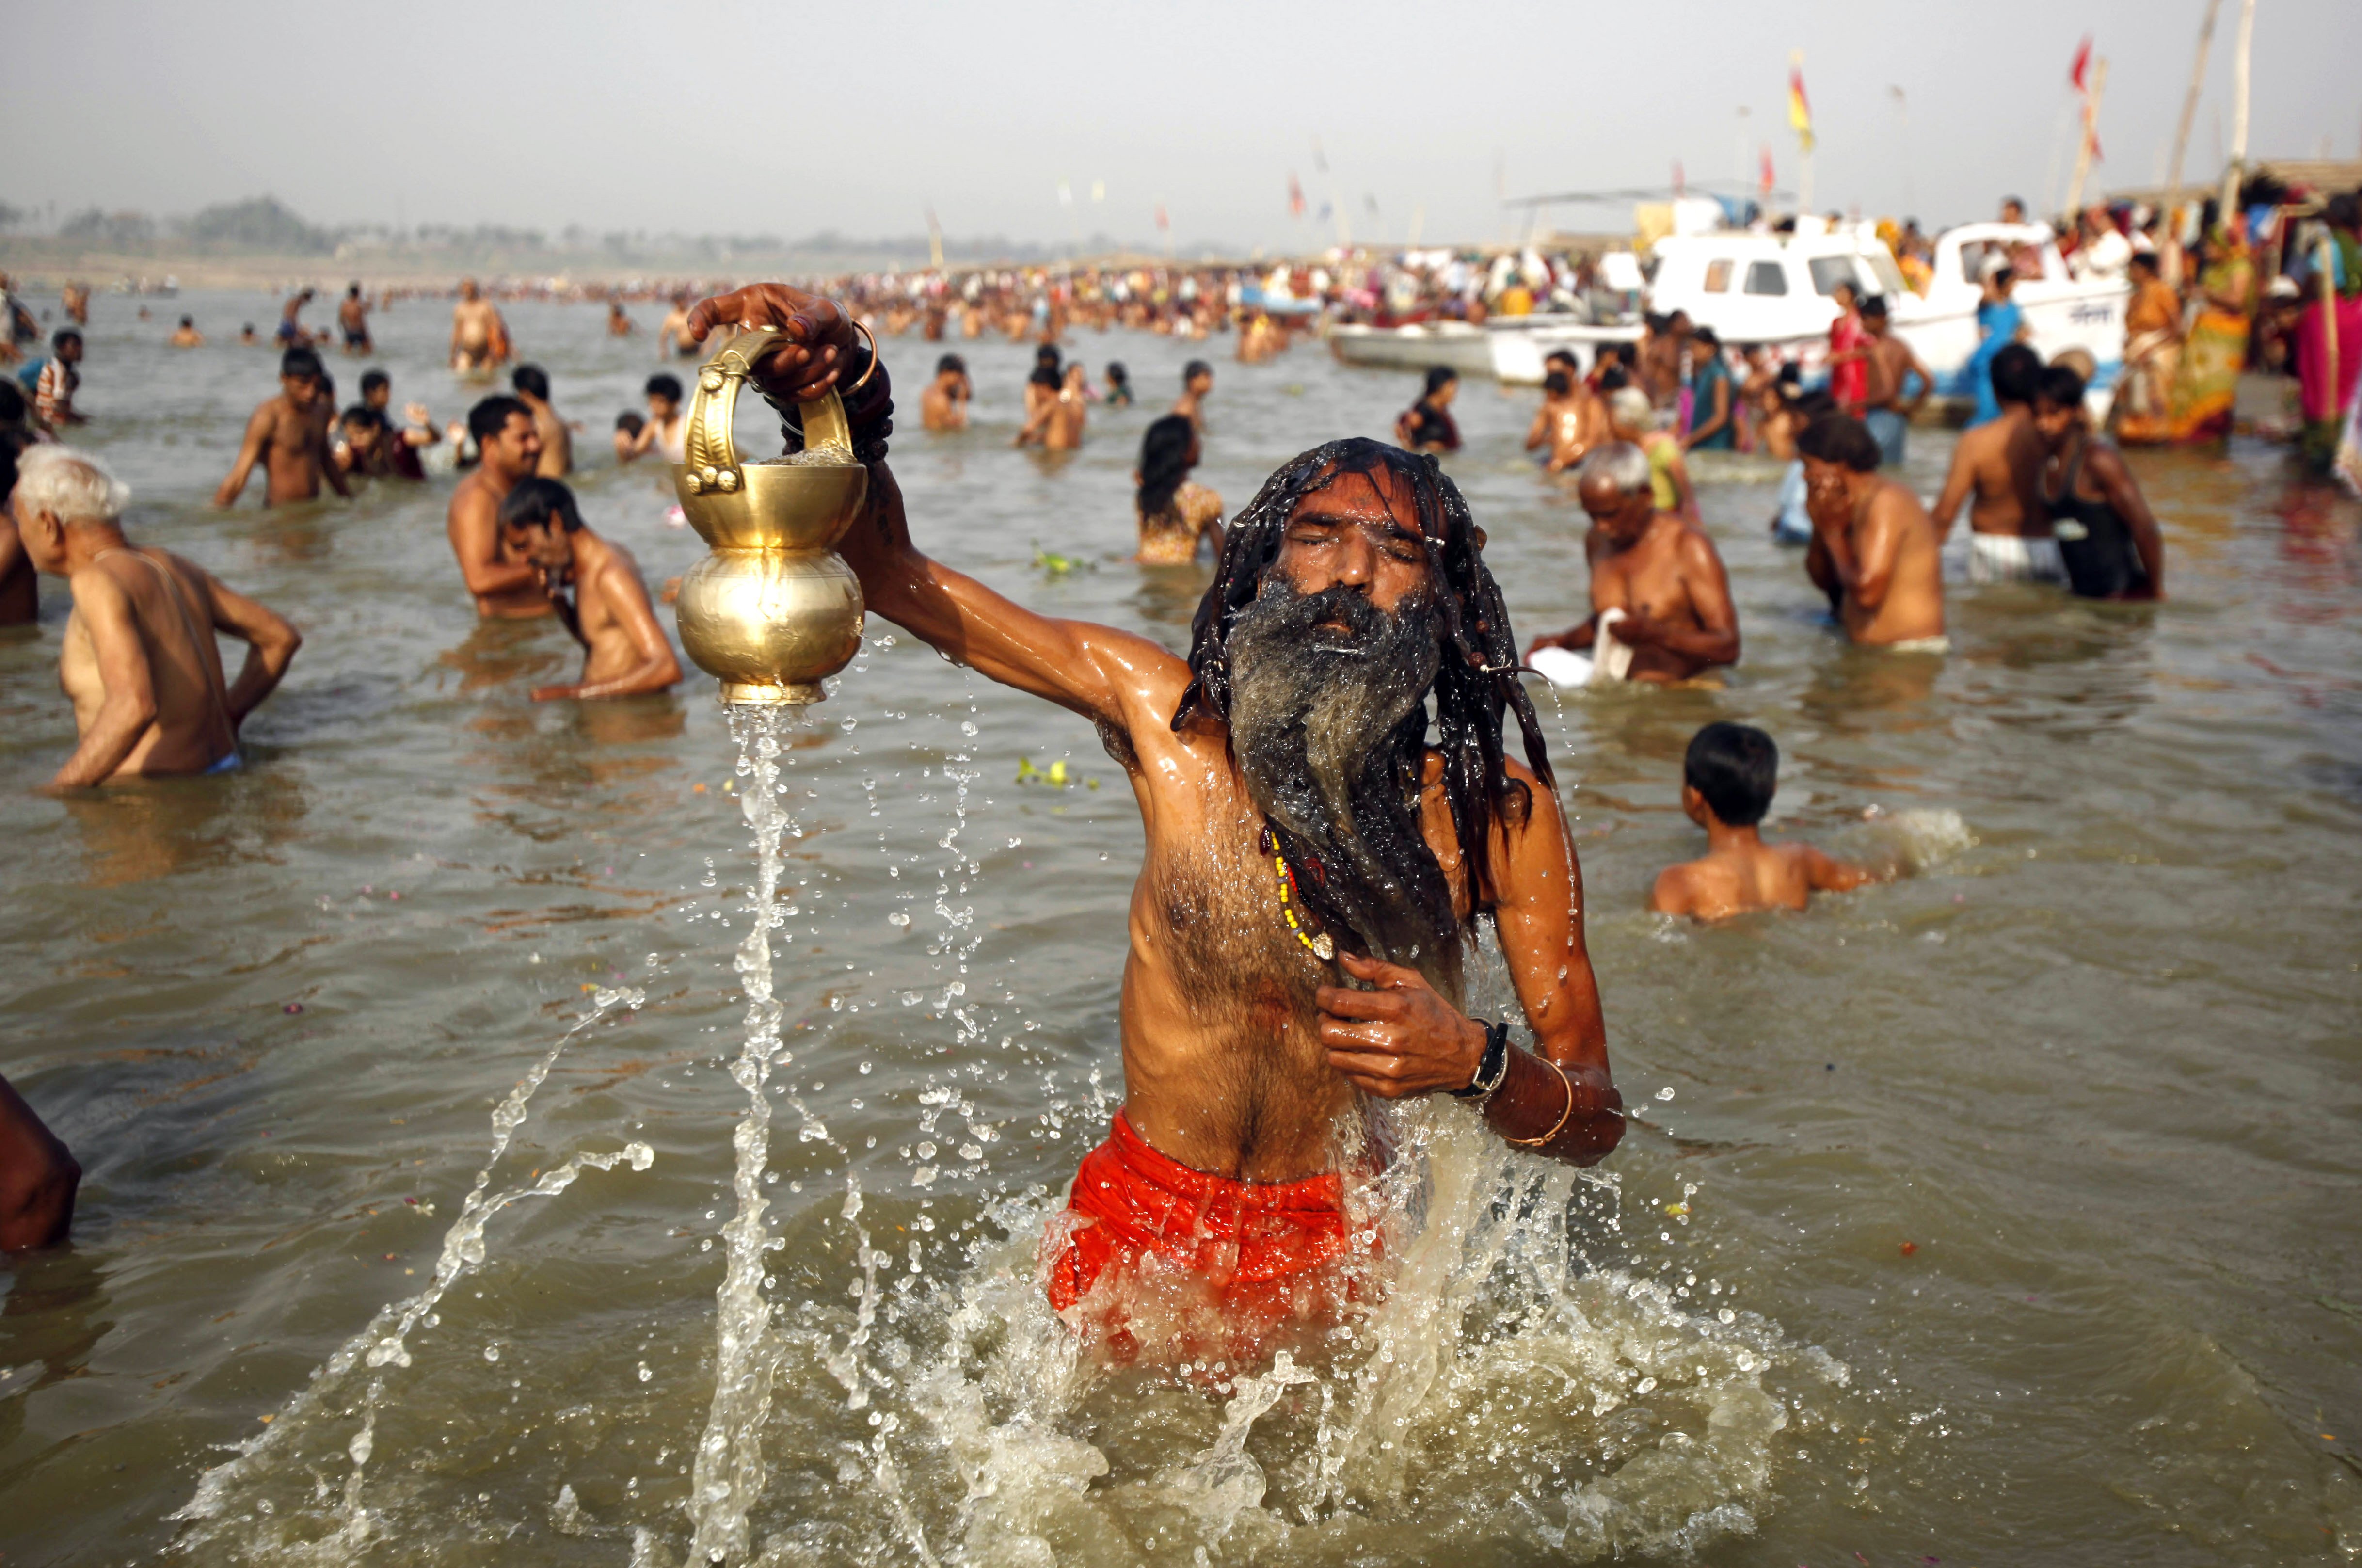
<point>2080,73</point>
<point>1294,197</point>
<point>1162,221</point>
<point>1800,112</point>
<point>1765,179</point>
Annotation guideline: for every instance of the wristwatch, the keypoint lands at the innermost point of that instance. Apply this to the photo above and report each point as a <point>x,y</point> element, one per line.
<point>1491,1067</point>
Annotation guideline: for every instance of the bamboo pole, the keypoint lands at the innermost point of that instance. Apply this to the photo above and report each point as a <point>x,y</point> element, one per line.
<point>2090,127</point>
<point>2241,58</point>
<point>2171,264</point>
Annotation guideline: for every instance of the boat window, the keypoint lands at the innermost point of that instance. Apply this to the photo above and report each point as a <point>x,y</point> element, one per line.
<point>1889,276</point>
<point>1766,278</point>
<point>1828,272</point>
<point>1717,277</point>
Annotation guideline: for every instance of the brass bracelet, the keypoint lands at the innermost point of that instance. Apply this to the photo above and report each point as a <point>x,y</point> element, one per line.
<point>1565,1117</point>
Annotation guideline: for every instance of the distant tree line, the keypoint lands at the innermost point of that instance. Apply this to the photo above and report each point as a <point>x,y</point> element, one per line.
<point>263,225</point>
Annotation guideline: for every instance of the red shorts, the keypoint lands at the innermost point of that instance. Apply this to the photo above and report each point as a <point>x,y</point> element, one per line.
<point>1255,1252</point>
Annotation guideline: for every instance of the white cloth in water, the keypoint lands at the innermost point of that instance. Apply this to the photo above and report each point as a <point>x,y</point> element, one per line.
<point>1938,643</point>
<point>1607,662</point>
<point>1983,559</point>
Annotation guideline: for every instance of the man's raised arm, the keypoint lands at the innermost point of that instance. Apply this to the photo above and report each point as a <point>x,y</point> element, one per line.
<point>1095,670</point>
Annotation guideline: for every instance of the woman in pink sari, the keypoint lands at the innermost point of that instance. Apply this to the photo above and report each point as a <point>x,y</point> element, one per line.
<point>2329,335</point>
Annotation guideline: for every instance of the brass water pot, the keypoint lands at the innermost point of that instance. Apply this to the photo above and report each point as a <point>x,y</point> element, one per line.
<point>772,610</point>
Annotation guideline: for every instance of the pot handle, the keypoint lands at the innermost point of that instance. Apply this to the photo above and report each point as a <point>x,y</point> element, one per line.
<point>711,447</point>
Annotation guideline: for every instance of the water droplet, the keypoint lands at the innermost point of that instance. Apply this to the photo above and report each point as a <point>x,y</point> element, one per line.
<point>491,1352</point>
<point>1665,1093</point>
<point>898,918</point>
<point>644,1372</point>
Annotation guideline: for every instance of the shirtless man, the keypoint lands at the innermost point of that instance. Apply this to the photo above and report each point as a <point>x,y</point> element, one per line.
<point>626,653</point>
<point>507,587</point>
<point>1728,780</point>
<point>619,320</point>
<point>1059,426</point>
<point>289,436</point>
<point>138,661</point>
<point>480,338</point>
<point>1663,575</point>
<point>186,335</point>
<point>1874,551</point>
<point>1196,386</point>
<point>1891,364</point>
<point>1570,422</point>
<point>2000,462</point>
<point>352,318</point>
<point>292,331</point>
<point>1247,1057</point>
<point>943,406</point>
<point>531,383</point>
<point>2109,543</point>
<point>1042,384</point>
<point>674,337</point>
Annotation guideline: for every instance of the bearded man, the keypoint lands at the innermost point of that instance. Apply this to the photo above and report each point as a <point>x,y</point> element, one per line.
<point>1314,863</point>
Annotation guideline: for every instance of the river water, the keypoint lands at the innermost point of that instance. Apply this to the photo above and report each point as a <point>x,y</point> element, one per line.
<point>2004,1213</point>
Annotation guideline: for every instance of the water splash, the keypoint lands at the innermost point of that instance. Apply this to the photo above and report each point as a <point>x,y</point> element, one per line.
<point>1525,1380</point>
<point>729,1472</point>
<point>385,1342</point>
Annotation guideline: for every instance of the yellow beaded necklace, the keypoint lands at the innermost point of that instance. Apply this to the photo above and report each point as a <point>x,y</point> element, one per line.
<point>1320,947</point>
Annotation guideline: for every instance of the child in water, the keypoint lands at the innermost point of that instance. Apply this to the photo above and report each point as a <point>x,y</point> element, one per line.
<point>1119,385</point>
<point>1728,779</point>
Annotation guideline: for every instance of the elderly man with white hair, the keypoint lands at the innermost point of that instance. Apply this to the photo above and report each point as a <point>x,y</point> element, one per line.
<point>141,662</point>
<point>1660,608</point>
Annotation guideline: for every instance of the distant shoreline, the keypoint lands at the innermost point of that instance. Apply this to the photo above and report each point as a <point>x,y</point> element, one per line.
<point>40,264</point>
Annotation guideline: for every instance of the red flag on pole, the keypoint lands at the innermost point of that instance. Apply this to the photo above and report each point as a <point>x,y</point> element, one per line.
<point>1162,221</point>
<point>2080,73</point>
<point>1766,177</point>
<point>1295,198</point>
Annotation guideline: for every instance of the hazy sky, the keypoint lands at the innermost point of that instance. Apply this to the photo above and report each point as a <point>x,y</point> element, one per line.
<point>733,117</point>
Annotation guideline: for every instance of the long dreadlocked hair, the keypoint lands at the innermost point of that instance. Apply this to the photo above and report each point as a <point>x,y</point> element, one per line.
<point>1476,681</point>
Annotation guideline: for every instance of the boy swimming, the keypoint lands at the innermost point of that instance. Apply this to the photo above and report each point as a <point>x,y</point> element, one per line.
<point>1728,780</point>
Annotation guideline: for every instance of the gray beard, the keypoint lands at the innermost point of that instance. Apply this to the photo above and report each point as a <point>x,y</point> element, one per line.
<point>1329,729</point>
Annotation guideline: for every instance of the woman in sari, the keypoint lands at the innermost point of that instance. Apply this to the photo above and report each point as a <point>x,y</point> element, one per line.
<point>2144,405</point>
<point>2329,333</point>
<point>1999,323</point>
<point>2208,379</point>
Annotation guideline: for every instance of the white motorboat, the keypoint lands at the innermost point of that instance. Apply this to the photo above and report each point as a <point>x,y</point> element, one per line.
<point>1520,344</point>
<point>1413,347</point>
<point>2061,311</point>
<point>1774,289</point>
